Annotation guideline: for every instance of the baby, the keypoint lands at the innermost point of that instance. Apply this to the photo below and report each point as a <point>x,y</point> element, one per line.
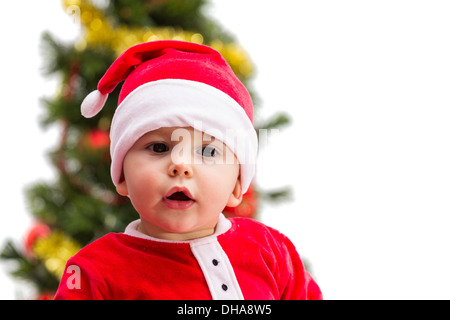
<point>183,147</point>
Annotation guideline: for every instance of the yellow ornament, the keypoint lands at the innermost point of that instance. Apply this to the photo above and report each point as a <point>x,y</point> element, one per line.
<point>54,250</point>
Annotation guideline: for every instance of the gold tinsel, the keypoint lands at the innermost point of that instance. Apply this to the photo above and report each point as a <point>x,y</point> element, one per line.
<point>54,250</point>
<point>99,32</point>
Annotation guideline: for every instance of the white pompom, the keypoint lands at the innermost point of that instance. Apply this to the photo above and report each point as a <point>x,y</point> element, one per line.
<point>93,103</point>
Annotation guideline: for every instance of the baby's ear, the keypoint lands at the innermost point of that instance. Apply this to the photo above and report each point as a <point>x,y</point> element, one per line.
<point>122,188</point>
<point>236,196</point>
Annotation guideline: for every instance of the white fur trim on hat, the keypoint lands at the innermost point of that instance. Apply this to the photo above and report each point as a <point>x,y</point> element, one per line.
<point>182,103</point>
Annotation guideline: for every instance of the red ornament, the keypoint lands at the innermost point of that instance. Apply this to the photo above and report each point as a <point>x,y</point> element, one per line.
<point>98,139</point>
<point>45,296</point>
<point>38,230</point>
<point>247,208</point>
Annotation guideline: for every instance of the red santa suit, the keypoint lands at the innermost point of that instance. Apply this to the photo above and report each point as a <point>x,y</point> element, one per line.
<point>243,259</point>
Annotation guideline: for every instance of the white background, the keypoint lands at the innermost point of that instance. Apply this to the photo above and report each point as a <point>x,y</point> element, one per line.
<point>367,84</point>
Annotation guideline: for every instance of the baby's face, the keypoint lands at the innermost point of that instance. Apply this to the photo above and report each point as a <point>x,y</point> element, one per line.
<point>179,180</point>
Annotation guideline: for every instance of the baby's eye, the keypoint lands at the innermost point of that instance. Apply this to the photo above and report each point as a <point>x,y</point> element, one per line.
<point>208,151</point>
<point>158,147</point>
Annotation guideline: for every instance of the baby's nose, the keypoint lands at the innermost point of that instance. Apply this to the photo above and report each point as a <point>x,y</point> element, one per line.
<point>181,169</point>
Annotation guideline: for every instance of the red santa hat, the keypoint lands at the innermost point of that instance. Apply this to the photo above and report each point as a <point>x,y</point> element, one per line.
<point>176,84</point>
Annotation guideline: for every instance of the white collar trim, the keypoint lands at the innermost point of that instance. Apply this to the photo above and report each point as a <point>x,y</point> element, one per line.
<point>223,225</point>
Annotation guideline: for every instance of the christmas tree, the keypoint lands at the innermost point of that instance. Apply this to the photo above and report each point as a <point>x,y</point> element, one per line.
<point>82,205</point>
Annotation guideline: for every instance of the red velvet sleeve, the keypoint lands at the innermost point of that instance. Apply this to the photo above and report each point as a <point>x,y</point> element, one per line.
<point>300,285</point>
<point>81,281</point>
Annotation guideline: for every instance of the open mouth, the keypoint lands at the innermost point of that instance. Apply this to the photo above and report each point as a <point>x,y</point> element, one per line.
<point>179,196</point>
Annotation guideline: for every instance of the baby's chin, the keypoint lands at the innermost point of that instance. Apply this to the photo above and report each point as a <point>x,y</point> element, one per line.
<point>179,230</point>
